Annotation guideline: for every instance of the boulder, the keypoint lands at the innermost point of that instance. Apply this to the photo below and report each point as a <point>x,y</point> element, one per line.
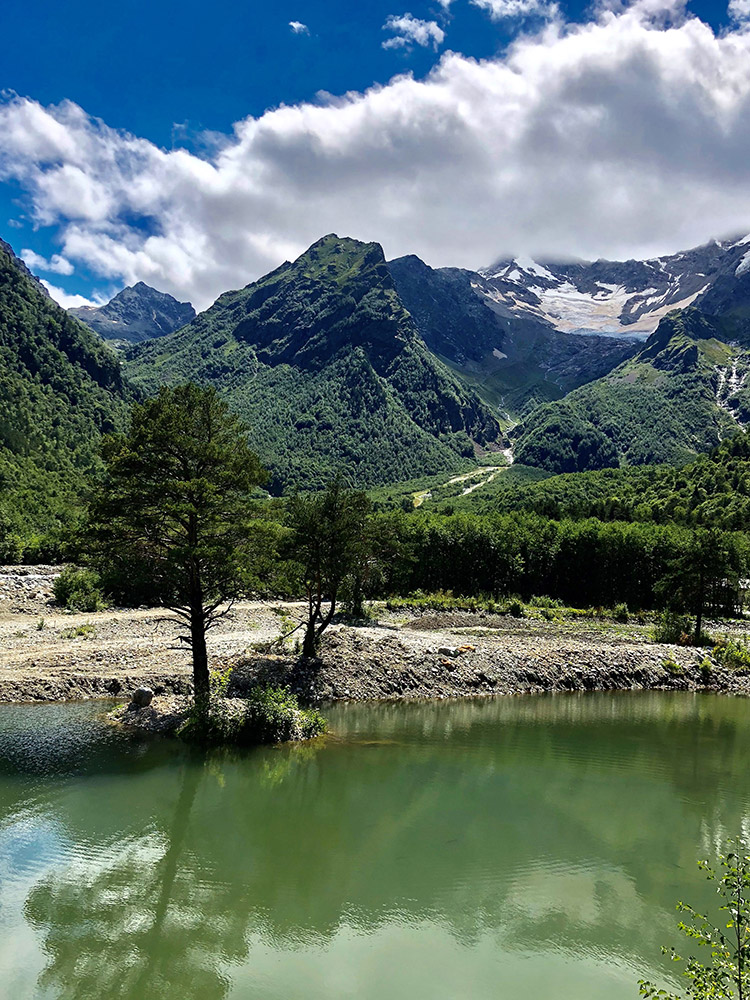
<point>142,697</point>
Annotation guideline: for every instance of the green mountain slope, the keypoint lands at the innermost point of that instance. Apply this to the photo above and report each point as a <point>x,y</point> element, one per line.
<point>325,364</point>
<point>61,389</point>
<point>680,395</point>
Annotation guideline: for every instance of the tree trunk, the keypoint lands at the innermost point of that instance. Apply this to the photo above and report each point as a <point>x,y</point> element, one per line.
<point>699,612</point>
<point>201,681</point>
<point>309,645</point>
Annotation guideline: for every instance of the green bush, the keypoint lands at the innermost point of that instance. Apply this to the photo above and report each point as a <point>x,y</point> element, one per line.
<point>732,653</point>
<point>267,715</point>
<point>705,669</point>
<point>620,613</point>
<point>79,590</point>
<point>672,666</point>
<point>673,628</point>
<point>545,602</point>
<point>273,715</point>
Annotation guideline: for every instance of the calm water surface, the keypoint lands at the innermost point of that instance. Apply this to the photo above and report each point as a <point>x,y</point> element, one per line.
<point>525,848</point>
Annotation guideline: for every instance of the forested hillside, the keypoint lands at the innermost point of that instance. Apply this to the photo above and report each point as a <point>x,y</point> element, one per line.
<point>711,492</point>
<point>326,366</point>
<point>679,396</point>
<point>61,390</point>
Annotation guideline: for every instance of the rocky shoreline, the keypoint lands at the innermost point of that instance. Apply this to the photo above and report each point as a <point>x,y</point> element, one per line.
<point>376,663</point>
<point>48,655</point>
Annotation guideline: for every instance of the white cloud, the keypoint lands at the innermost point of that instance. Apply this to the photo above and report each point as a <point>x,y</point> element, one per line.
<point>56,264</point>
<point>299,28</point>
<point>628,135</point>
<point>739,10</point>
<point>500,10</point>
<point>68,301</point>
<point>410,31</point>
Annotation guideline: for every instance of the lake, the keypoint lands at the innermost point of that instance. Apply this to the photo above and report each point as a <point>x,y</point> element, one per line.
<point>529,847</point>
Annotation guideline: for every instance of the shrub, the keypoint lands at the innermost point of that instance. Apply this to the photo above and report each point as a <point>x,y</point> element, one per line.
<point>620,613</point>
<point>273,715</point>
<point>732,653</point>
<point>724,940</point>
<point>79,590</point>
<point>673,628</point>
<point>268,715</point>
<point>705,668</point>
<point>515,608</point>
<point>672,666</point>
<point>545,602</point>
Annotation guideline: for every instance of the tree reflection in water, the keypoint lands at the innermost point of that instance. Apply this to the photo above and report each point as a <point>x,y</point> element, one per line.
<point>559,826</point>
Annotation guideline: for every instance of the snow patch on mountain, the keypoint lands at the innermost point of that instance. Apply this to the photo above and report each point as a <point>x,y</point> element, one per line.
<point>610,298</point>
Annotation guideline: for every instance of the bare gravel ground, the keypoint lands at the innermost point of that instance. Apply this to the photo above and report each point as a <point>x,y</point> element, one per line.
<point>50,655</point>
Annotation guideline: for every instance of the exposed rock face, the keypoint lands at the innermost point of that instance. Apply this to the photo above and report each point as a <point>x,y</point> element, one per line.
<point>503,343</point>
<point>136,313</point>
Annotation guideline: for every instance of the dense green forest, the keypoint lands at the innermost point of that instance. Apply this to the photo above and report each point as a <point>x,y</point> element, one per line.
<point>327,368</point>
<point>61,390</point>
<point>713,491</point>
<point>585,563</point>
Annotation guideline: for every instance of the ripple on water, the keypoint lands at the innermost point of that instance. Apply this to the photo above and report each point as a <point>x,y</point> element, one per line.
<point>521,846</point>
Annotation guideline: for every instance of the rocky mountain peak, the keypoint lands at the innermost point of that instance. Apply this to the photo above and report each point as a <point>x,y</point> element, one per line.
<point>139,312</point>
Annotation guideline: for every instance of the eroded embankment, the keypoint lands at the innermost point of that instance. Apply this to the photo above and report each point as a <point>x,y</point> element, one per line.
<point>408,657</point>
<point>359,668</point>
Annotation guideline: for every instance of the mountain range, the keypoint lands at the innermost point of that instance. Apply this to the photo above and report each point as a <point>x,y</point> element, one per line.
<point>389,371</point>
<point>626,298</point>
<point>328,368</point>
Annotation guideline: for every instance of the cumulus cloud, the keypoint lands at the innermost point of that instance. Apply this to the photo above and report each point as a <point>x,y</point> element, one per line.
<point>299,28</point>
<point>625,136</point>
<point>739,10</point>
<point>69,301</point>
<point>411,31</point>
<point>55,265</point>
<point>503,10</point>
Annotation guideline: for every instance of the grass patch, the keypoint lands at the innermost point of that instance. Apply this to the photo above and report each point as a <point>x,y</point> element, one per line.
<point>734,654</point>
<point>86,631</point>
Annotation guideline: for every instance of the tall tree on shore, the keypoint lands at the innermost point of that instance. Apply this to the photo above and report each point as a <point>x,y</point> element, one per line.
<point>328,539</point>
<point>695,580</point>
<point>176,504</point>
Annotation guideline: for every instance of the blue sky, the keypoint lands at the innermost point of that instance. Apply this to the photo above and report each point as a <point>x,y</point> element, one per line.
<point>176,74</point>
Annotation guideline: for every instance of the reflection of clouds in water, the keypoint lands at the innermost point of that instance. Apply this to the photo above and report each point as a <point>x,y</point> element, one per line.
<point>522,847</point>
<point>401,961</point>
<point>715,834</point>
<point>587,897</point>
<point>29,842</point>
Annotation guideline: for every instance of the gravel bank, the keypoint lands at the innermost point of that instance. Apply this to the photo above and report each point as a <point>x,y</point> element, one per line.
<point>47,655</point>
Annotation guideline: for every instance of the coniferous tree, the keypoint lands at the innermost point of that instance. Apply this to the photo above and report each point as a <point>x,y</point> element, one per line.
<point>175,507</point>
<point>328,536</point>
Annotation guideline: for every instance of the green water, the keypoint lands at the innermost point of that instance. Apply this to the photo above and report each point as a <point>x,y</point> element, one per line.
<point>525,848</point>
